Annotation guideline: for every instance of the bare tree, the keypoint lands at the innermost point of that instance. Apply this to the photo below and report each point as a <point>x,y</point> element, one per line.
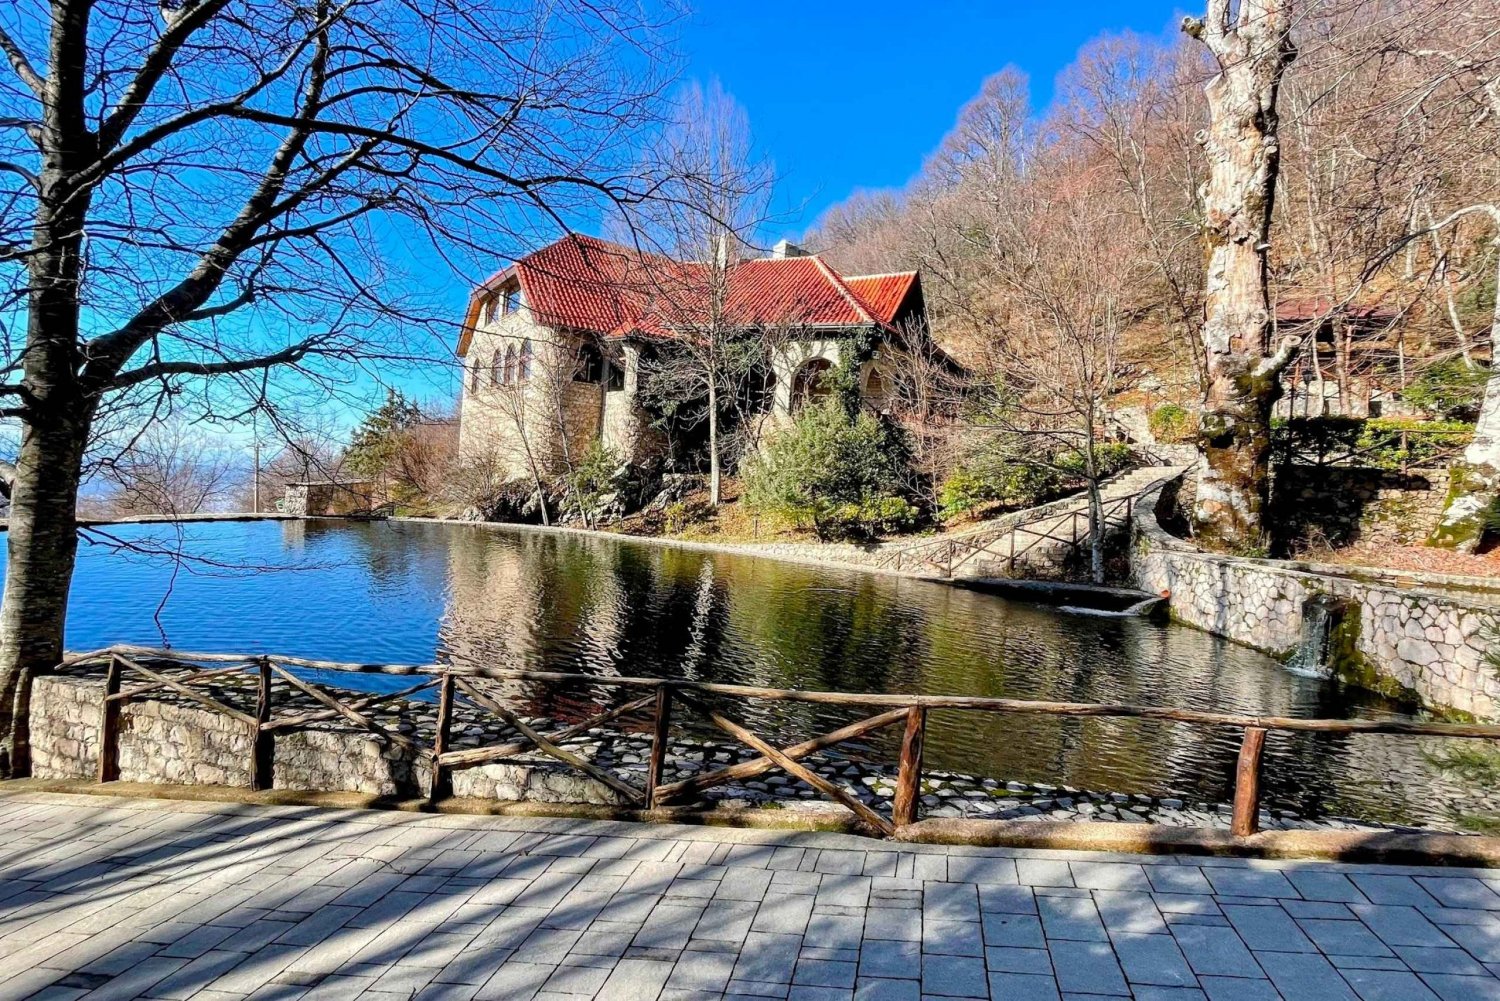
<point>1251,40</point>
<point>196,189</point>
<point>723,195</point>
<point>1467,65</point>
<point>170,469</point>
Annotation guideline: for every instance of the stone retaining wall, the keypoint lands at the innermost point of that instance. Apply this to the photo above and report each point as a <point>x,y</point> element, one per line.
<point>1365,509</point>
<point>1396,635</point>
<point>166,743</point>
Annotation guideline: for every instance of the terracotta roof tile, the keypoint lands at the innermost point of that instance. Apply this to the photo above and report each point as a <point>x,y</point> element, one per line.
<point>587,284</point>
<point>883,295</point>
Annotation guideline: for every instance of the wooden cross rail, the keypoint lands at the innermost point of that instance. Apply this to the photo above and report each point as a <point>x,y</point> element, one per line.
<point>663,695</point>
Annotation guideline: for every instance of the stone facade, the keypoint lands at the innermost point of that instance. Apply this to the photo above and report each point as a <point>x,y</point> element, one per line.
<point>328,497</point>
<point>1399,634</point>
<point>1358,508</point>
<point>548,411</point>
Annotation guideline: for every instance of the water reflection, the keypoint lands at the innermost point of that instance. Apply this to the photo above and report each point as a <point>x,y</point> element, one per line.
<point>415,592</point>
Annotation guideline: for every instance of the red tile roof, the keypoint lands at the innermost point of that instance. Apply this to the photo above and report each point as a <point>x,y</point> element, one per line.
<point>587,284</point>
<point>884,294</point>
<point>1318,307</point>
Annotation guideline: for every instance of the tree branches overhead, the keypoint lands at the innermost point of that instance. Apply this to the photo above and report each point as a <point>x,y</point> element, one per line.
<point>210,180</point>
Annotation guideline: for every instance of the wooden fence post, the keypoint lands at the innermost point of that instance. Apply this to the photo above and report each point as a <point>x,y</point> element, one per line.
<point>442,775</point>
<point>657,761</point>
<point>109,724</point>
<point>1246,819</point>
<point>262,740</point>
<point>909,772</point>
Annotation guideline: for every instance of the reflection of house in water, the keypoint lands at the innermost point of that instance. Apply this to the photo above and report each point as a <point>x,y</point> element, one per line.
<point>1353,359</point>
<point>532,601</point>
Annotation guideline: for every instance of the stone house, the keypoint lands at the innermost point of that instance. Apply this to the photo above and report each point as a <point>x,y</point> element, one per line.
<point>553,346</point>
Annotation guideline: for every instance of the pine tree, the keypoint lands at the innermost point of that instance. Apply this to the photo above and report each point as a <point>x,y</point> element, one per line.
<point>375,443</point>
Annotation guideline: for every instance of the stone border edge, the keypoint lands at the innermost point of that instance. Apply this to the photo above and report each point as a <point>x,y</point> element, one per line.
<point>1393,848</point>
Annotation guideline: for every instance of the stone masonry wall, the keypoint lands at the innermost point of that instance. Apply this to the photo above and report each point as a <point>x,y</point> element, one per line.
<point>1359,508</point>
<point>165,743</point>
<point>1395,636</point>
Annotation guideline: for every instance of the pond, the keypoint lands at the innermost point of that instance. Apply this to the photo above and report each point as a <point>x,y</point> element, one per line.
<point>518,598</point>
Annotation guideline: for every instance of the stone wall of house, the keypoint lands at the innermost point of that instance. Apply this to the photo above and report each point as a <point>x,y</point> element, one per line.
<point>171,744</point>
<point>550,419</point>
<point>1358,508</point>
<point>1402,635</point>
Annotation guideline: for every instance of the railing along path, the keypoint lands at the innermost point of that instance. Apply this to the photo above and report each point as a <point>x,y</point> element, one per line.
<point>662,701</point>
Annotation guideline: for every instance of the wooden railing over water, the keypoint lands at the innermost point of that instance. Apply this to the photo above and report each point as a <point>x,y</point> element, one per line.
<point>662,707</point>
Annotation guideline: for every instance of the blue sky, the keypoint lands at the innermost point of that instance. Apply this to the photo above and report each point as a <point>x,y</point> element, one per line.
<point>844,95</point>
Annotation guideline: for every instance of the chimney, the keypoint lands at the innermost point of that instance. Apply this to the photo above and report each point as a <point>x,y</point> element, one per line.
<point>785,249</point>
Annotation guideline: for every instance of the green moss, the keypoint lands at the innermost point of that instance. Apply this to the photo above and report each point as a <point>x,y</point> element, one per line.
<point>1466,481</point>
<point>1352,667</point>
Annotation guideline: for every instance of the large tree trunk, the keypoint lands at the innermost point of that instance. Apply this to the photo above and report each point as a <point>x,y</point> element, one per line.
<point>1253,47</point>
<point>42,542</point>
<point>1473,507</point>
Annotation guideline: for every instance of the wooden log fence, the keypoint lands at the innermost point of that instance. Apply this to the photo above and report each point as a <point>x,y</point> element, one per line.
<point>661,705</point>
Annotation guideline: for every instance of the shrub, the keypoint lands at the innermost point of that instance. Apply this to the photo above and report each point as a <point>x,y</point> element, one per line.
<point>1375,442</point>
<point>993,476</point>
<point>1014,474</point>
<point>594,476</point>
<point>1171,424</point>
<point>1110,457</point>
<point>841,476</point>
<point>1449,390</point>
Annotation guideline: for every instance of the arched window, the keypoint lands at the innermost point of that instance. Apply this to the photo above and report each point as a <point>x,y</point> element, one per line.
<point>510,365</point>
<point>511,296</point>
<point>811,383</point>
<point>590,365</point>
<point>525,359</point>
<point>491,304</point>
<point>474,371</point>
<point>497,368</point>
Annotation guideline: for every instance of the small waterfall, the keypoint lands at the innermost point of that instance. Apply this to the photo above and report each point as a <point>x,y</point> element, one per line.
<point>1320,615</point>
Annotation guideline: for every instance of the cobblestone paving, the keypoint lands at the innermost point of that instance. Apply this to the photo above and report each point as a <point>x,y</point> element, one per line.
<point>113,899</point>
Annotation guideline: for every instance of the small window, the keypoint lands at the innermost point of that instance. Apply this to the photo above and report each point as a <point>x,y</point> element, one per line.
<point>497,369</point>
<point>525,360</point>
<point>474,371</point>
<point>511,297</point>
<point>510,365</point>
<point>590,364</point>
<point>491,303</point>
<point>614,379</point>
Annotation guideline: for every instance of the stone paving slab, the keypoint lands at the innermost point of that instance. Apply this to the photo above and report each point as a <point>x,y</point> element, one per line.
<point>120,898</point>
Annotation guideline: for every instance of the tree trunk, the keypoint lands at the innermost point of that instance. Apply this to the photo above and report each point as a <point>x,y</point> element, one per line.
<point>1473,507</point>
<point>42,542</point>
<point>1096,531</point>
<point>714,491</point>
<point>42,539</point>
<point>1253,47</point>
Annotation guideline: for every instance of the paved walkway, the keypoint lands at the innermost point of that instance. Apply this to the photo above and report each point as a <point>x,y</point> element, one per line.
<point>104,898</point>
